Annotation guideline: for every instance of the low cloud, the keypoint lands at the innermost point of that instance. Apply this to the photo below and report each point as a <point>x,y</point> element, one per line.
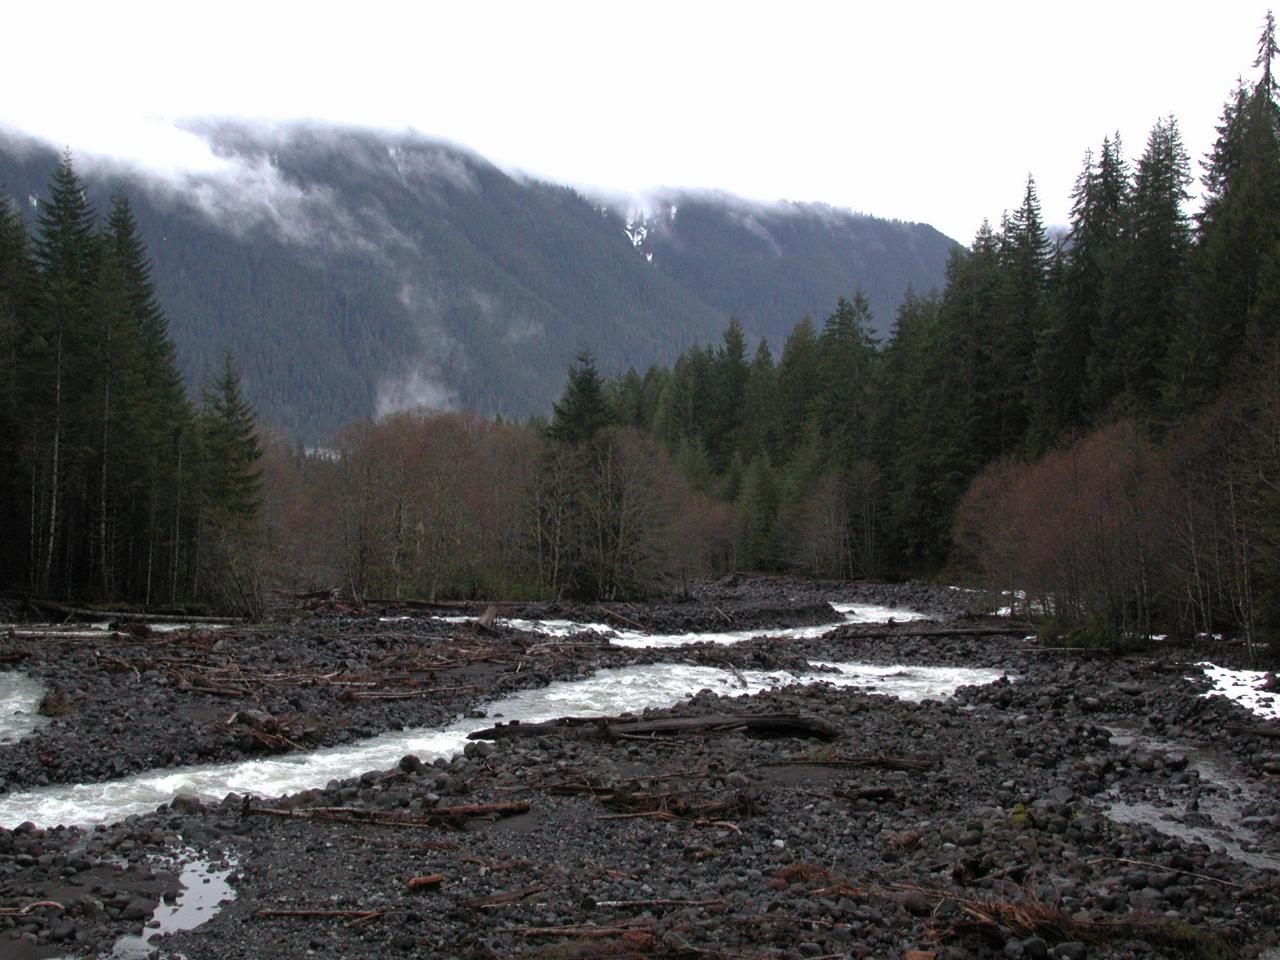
<point>418,388</point>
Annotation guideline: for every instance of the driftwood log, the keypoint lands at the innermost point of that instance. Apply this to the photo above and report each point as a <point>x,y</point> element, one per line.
<point>756,724</point>
<point>115,615</point>
<point>879,631</point>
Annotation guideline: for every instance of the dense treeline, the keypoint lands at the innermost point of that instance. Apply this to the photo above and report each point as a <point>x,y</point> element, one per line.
<point>356,272</point>
<point>1095,421</point>
<point>115,487</point>
<point>434,505</point>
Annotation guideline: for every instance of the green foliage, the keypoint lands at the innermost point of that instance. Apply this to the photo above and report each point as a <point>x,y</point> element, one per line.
<point>843,458</point>
<point>103,496</point>
<point>383,270</point>
<point>584,410</point>
<point>756,518</point>
<point>1239,230</point>
<point>231,450</point>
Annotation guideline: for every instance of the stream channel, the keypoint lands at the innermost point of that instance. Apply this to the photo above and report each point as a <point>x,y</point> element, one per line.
<point>606,693</point>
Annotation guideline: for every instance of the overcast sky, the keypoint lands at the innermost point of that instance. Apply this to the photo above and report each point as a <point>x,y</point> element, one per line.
<point>927,111</point>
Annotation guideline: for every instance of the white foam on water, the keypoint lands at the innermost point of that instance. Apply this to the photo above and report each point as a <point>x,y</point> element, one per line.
<point>20,698</point>
<point>849,613</point>
<point>1244,687</point>
<point>175,627</point>
<point>558,628</point>
<point>636,639</point>
<point>607,693</point>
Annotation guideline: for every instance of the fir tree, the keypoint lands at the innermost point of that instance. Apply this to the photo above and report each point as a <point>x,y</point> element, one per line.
<point>1080,317</point>
<point>231,450</point>
<point>722,420</point>
<point>66,252</point>
<point>759,407</point>
<point>584,409</point>
<point>1024,262</point>
<point>1239,229</point>
<point>1157,243</point>
<point>847,364</point>
<point>18,290</point>
<point>799,386</point>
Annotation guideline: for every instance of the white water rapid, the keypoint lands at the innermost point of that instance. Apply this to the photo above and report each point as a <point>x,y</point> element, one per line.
<point>849,613</point>
<point>606,693</point>
<point>20,698</point>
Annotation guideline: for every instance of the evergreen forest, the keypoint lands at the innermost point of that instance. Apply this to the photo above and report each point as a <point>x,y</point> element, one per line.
<point>118,486</point>
<point>1093,422</point>
<point>356,273</point>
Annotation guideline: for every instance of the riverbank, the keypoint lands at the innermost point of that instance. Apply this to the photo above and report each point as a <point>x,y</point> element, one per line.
<point>1085,806</point>
<point>120,702</point>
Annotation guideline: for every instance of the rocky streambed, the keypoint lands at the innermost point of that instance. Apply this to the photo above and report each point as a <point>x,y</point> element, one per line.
<point>997,822</point>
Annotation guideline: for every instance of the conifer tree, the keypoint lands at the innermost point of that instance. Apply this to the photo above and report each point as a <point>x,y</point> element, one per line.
<point>1024,263</point>
<point>159,414</point>
<point>18,290</point>
<point>231,495</point>
<point>756,517</point>
<point>1239,228</point>
<point>66,253</point>
<point>970,315</point>
<point>232,476</point>
<point>1080,317</point>
<point>674,420</point>
<point>584,409</point>
<point>722,420</point>
<point>1157,240</point>
<point>847,362</point>
<point>798,386</point>
<point>759,407</point>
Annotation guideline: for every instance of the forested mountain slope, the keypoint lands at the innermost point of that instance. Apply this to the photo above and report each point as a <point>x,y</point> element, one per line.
<point>771,264</point>
<point>353,272</point>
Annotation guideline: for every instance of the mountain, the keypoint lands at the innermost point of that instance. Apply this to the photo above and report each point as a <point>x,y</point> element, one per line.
<point>354,272</point>
<point>771,264</point>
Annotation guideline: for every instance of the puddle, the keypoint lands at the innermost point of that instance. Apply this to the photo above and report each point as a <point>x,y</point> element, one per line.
<point>1219,809</point>
<point>204,888</point>
<point>606,693</point>
<point>20,698</point>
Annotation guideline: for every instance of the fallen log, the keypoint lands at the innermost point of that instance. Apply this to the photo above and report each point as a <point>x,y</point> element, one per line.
<point>625,621</point>
<point>763,724</point>
<point>985,630</point>
<point>682,805</point>
<point>379,818</point>
<point>37,905</point>
<point>56,634</point>
<point>86,614</point>
<point>504,809</point>
<point>1147,863</point>
<point>423,883</point>
<point>415,604</point>
<point>646,904</point>
<point>500,899</point>
<point>354,696</point>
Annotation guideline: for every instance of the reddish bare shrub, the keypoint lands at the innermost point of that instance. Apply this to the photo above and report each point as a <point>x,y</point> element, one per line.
<point>1081,531</point>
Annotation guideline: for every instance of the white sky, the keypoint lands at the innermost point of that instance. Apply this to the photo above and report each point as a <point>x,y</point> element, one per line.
<point>926,111</point>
